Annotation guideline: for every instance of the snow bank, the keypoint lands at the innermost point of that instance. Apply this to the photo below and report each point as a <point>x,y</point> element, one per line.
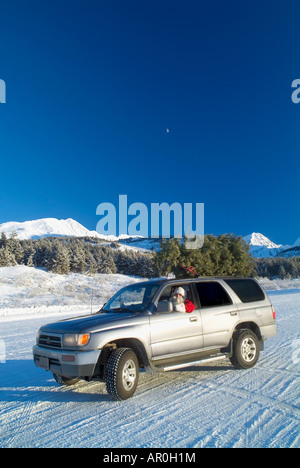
<point>27,288</point>
<point>279,284</point>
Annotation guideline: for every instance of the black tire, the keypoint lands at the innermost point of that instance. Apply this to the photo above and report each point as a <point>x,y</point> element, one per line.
<point>62,380</point>
<point>245,349</point>
<point>122,374</point>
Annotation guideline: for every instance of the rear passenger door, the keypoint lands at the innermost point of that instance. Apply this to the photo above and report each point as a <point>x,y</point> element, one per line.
<point>218,313</point>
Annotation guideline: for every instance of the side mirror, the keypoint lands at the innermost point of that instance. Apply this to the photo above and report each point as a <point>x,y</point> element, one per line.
<point>164,307</point>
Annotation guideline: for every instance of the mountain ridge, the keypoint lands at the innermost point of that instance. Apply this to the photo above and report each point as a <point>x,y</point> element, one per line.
<point>260,245</point>
<point>47,227</point>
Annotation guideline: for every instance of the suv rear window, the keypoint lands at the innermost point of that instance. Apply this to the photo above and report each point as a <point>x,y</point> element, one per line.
<point>246,289</point>
<point>212,294</point>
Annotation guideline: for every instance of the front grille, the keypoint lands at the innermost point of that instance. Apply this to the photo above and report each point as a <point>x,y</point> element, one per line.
<point>50,341</point>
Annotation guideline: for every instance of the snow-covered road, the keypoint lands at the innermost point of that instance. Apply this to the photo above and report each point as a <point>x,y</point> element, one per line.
<point>205,406</point>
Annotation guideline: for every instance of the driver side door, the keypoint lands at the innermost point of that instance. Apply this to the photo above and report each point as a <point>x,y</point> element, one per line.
<point>174,333</point>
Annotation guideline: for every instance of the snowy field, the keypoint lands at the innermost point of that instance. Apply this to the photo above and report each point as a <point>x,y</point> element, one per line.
<point>205,406</point>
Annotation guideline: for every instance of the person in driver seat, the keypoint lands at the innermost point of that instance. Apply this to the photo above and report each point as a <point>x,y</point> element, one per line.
<point>179,301</point>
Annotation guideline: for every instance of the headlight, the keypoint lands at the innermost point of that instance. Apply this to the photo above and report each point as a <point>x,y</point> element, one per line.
<point>71,339</point>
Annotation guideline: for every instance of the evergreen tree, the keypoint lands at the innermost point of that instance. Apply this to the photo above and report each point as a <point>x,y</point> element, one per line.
<point>29,261</point>
<point>107,265</point>
<point>168,257</point>
<point>29,251</point>
<point>16,248</point>
<point>90,264</point>
<point>225,255</point>
<point>7,258</point>
<point>77,257</point>
<point>3,240</point>
<point>59,261</point>
<point>43,253</point>
<point>282,272</point>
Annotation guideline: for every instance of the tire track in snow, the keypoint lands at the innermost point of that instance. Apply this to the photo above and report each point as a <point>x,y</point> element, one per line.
<point>204,406</point>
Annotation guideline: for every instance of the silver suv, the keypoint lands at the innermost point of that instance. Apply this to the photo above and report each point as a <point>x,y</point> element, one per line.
<point>159,325</point>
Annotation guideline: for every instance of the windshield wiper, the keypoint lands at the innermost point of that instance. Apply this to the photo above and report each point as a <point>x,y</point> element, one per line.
<point>119,309</point>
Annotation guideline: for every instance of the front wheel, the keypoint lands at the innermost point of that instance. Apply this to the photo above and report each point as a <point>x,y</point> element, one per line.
<point>122,374</point>
<point>245,349</point>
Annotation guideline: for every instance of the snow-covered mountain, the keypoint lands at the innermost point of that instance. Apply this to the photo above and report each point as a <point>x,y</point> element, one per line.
<point>46,227</point>
<point>51,227</point>
<point>297,243</point>
<point>261,246</point>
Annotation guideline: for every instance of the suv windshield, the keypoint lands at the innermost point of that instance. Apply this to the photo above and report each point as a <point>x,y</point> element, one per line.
<point>133,298</point>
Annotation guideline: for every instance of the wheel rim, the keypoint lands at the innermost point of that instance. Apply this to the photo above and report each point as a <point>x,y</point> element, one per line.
<point>248,349</point>
<point>129,374</point>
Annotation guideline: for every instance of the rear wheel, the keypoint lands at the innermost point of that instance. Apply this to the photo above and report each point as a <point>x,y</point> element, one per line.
<point>122,374</point>
<point>245,349</point>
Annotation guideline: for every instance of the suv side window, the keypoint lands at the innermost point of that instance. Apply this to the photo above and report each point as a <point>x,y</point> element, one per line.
<point>212,294</point>
<point>246,289</point>
<point>168,291</point>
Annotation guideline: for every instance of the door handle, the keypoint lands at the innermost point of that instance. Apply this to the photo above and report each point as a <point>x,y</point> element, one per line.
<point>193,319</point>
<point>233,313</point>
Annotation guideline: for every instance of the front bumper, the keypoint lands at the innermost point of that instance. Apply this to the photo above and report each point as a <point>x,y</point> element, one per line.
<point>74,364</point>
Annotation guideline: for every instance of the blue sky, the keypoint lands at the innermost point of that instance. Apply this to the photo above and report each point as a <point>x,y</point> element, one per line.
<point>92,87</point>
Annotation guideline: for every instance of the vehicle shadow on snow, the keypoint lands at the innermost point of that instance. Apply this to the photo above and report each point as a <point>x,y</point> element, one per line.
<point>22,381</point>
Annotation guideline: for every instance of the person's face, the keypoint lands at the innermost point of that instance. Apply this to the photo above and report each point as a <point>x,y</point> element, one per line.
<point>177,298</point>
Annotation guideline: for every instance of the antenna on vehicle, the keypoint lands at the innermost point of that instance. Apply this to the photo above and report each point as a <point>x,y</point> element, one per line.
<point>92,301</point>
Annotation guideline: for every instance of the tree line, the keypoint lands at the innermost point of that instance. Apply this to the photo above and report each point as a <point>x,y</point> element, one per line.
<point>278,267</point>
<point>63,255</point>
<point>224,255</point>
